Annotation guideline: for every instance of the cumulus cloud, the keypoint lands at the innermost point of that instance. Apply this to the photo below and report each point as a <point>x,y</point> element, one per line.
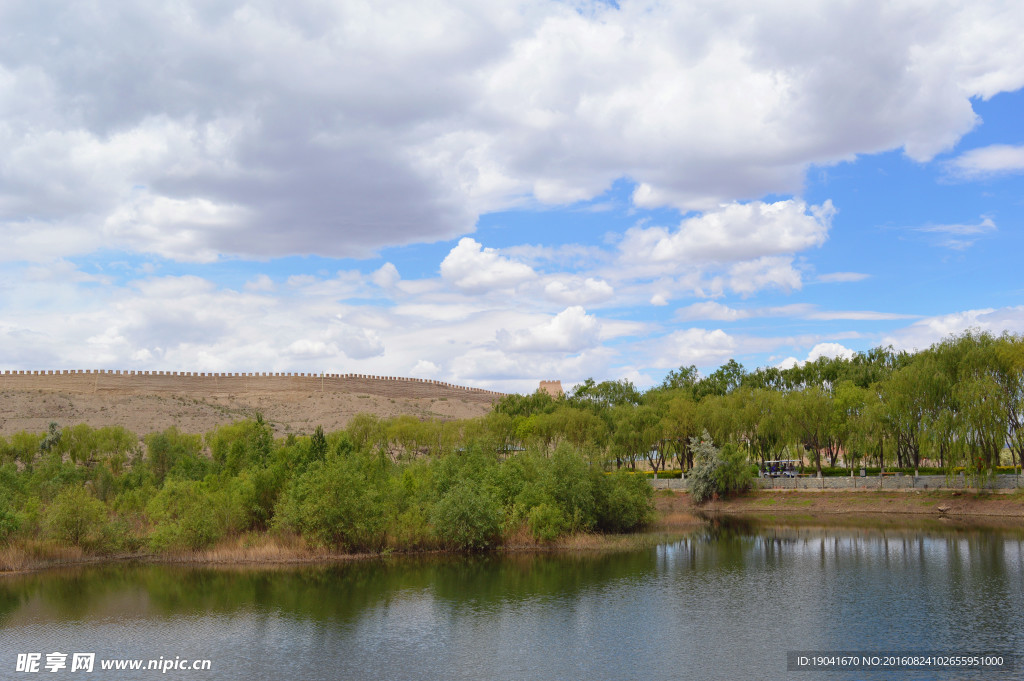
<point>749,277</point>
<point>818,351</point>
<point>357,342</point>
<point>252,129</point>
<point>830,350</point>
<point>571,330</point>
<point>696,346</point>
<point>425,369</point>
<point>471,267</point>
<point>925,332</point>
<point>386,276</point>
<point>739,231</point>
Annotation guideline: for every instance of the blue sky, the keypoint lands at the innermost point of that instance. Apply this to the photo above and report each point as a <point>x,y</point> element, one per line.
<point>497,195</point>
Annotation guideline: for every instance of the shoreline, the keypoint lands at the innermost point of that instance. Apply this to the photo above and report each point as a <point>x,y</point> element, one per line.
<point>675,512</point>
<point>869,509</point>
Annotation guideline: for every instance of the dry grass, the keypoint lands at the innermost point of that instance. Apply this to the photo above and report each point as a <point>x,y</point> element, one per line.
<point>34,554</point>
<point>251,548</point>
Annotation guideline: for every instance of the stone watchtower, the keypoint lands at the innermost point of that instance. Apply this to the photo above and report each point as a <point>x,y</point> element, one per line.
<point>553,388</point>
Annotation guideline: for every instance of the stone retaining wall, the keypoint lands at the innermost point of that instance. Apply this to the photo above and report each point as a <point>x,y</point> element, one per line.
<point>89,381</point>
<point>922,482</point>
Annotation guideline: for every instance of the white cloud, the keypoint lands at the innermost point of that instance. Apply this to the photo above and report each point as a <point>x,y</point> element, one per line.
<point>695,346</point>
<point>357,342</point>
<point>571,330</point>
<point>386,276</point>
<point>711,311</point>
<point>746,278</point>
<point>986,225</point>
<point>858,315</point>
<point>260,284</point>
<point>841,277</point>
<point>736,232</point>
<point>471,267</point>
<point>958,237</point>
<point>925,332</point>
<point>831,350</point>
<point>308,349</point>
<point>996,159</point>
<point>425,369</point>
<point>818,351</point>
<point>338,129</point>
<point>578,290</point>
<point>716,311</point>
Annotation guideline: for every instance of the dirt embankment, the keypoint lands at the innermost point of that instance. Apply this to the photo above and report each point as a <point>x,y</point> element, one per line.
<point>288,412</point>
<point>870,507</point>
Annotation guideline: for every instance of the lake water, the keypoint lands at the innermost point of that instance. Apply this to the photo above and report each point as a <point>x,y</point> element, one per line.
<point>723,603</point>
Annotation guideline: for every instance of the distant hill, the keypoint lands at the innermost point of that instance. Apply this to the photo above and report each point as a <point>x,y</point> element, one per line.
<point>196,402</point>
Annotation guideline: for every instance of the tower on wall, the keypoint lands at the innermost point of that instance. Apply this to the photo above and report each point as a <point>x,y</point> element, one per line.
<point>553,388</point>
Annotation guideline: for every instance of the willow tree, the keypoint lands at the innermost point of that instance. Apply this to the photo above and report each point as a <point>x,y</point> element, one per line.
<point>981,395</point>
<point>680,422</point>
<point>637,433</point>
<point>904,398</point>
<point>809,413</point>
<point>1009,354</point>
<point>848,408</point>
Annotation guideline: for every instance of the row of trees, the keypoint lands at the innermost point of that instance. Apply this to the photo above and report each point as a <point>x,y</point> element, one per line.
<point>958,403</point>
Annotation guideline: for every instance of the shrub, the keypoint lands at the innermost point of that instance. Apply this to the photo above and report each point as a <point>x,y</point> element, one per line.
<point>185,517</point>
<point>468,518</point>
<point>9,523</point>
<point>570,482</point>
<point>335,505</point>
<point>736,474</point>
<point>717,472</point>
<point>546,522</point>
<point>624,502</point>
<point>75,517</point>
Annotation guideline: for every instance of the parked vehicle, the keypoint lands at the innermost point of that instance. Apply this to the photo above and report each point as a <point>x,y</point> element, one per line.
<point>780,468</point>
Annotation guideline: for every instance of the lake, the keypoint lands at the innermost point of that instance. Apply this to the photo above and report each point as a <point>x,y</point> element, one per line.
<point>726,602</point>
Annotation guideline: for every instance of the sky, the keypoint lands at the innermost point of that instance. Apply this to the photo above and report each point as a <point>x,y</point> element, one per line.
<point>491,194</point>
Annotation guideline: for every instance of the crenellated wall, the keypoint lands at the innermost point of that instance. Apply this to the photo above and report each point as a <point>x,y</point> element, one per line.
<point>89,381</point>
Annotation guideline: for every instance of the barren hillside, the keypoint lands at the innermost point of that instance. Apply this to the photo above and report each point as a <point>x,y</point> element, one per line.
<point>197,403</point>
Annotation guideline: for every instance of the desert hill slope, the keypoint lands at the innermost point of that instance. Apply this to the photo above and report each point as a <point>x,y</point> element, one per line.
<point>195,403</point>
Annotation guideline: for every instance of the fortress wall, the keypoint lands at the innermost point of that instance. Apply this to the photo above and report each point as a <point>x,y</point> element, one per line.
<point>205,383</point>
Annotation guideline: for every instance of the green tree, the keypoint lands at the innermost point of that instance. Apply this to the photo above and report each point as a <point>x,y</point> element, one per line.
<point>76,517</point>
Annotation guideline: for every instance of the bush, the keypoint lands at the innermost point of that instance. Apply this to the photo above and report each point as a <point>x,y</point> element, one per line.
<point>735,474</point>
<point>717,472</point>
<point>624,502</point>
<point>570,482</point>
<point>335,505</point>
<point>186,516</point>
<point>546,522</point>
<point>9,523</point>
<point>468,518</point>
<point>75,517</point>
